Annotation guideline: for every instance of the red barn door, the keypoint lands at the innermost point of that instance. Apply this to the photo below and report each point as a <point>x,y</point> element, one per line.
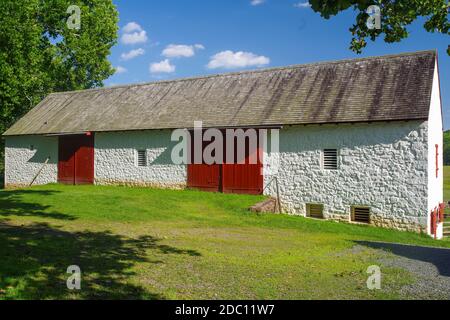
<point>76,159</point>
<point>243,178</point>
<point>202,176</point>
<point>66,161</point>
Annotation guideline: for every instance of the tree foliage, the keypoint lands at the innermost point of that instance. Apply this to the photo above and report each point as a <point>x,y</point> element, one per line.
<point>396,15</point>
<point>447,148</point>
<point>40,54</point>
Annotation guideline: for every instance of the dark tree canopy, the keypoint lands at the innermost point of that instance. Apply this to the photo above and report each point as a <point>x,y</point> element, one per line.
<point>396,15</point>
<point>40,54</point>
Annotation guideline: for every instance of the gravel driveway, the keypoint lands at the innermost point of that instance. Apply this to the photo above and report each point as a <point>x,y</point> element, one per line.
<point>430,266</point>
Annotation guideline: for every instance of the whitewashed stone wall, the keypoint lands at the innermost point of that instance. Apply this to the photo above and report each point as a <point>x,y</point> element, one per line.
<point>25,156</point>
<point>381,165</point>
<point>115,160</point>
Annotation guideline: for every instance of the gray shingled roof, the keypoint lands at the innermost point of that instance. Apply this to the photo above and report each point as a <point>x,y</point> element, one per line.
<point>396,87</point>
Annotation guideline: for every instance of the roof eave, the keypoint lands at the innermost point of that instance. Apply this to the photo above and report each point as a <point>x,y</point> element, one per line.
<point>271,126</point>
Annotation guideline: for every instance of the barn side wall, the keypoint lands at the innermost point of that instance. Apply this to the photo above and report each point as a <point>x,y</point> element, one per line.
<point>26,155</point>
<point>380,165</point>
<point>116,160</point>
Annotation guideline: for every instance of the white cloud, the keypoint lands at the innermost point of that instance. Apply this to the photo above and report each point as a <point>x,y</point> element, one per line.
<point>257,2</point>
<point>162,67</point>
<point>302,5</point>
<point>135,37</point>
<point>181,50</point>
<point>131,26</point>
<point>120,69</point>
<point>132,54</point>
<point>230,60</point>
<point>133,33</point>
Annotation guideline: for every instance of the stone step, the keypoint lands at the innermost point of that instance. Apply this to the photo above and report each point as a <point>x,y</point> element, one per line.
<point>269,205</point>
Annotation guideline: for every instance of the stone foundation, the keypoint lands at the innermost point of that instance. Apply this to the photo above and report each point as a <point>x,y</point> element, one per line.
<point>156,185</point>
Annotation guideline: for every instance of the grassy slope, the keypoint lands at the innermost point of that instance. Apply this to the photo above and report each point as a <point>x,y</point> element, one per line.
<point>447,183</point>
<point>144,243</point>
<point>447,186</point>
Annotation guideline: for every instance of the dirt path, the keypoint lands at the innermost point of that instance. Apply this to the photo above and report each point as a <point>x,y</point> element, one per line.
<point>430,266</point>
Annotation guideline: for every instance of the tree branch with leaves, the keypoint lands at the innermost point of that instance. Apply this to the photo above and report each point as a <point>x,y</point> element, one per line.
<point>40,54</point>
<point>395,17</point>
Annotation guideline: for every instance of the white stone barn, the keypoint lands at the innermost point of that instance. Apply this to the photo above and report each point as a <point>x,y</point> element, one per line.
<point>360,140</point>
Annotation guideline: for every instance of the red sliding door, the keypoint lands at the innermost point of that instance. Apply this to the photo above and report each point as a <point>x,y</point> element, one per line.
<point>76,159</point>
<point>202,176</point>
<point>228,178</point>
<point>244,176</point>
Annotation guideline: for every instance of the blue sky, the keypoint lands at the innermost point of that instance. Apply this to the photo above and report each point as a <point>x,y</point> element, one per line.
<point>167,39</point>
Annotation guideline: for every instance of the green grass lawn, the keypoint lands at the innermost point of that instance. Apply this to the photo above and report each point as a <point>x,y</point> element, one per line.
<point>136,243</point>
<point>447,187</point>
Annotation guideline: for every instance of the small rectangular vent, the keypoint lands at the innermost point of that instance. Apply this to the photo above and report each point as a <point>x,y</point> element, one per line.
<point>361,214</point>
<point>330,159</point>
<point>314,210</point>
<point>142,158</point>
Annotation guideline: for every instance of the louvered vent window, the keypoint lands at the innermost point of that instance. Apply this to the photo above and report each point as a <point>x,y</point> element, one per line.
<point>314,210</point>
<point>142,158</point>
<point>330,159</point>
<point>361,214</point>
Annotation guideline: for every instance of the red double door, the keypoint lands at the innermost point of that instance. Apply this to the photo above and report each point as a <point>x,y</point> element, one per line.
<point>243,178</point>
<point>76,159</point>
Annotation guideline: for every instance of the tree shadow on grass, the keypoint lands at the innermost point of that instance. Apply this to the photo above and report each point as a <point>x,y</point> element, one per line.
<point>35,258</point>
<point>12,203</point>
<point>439,257</point>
